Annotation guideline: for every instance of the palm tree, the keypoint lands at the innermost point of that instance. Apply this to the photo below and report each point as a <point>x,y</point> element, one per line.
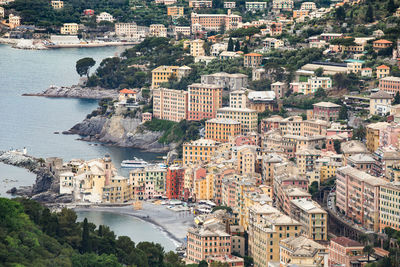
<point>369,250</point>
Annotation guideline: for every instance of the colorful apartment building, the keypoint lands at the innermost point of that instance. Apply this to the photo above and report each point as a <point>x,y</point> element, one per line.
<point>252,60</point>
<point>57,4</point>
<point>170,104</point>
<point>313,218</point>
<point>174,182</point>
<point>389,199</point>
<point>198,151</point>
<point>373,132</point>
<point>222,129</point>
<point>147,183</point>
<point>255,6</point>
<point>306,159</point>
<point>197,48</point>
<point>326,111</point>
<point>248,118</point>
<point>214,22</point>
<point>69,28</point>
<point>232,81</point>
<point>117,191</point>
<point>382,71</point>
<point>390,84</point>
<point>200,4</point>
<point>204,101</point>
<point>381,44</point>
<point>163,74</point>
<point>158,30</point>
<point>283,4</point>
<point>380,103</point>
<point>175,11</point>
<point>357,196</point>
<point>342,250</point>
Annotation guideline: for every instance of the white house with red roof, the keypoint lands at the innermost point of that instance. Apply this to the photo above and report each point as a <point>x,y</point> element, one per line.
<point>126,94</point>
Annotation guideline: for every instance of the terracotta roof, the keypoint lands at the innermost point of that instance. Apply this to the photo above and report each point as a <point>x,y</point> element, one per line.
<point>382,41</point>
<point>253,55</point>
<point>382,67</point>
<point>127,91</point>
<point>346,242</point>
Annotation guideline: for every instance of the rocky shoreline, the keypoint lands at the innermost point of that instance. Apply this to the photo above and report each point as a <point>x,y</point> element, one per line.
<point>76,91</point>
<point>120,131</point>
<point>46,186</point>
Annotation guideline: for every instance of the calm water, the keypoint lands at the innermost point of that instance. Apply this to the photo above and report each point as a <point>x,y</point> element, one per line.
<point>31,121</point>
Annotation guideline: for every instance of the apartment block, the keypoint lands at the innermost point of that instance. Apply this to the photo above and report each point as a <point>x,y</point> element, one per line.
<point>200,3</point>
<point>163,74</point>
<point>117,191</point>
<point>380,103</point>
<point>343,250</point>
<point>326,111</point>
<point>128,30</point>
<point>254,6</point>
<point>147,183</point>
<point>282,4</point>
<point>197,48</point>
<point>382,71</point>
<point>252,60</point>
<point>373,132</point>
<point>390,84</point>
<point>204,101</point>
<point>198,151</point>
<point>170,104</point>
<point>222,129</point>
<point>389,199</point>
<point>235,81</point>
<point>175,11</point>
<point>357,196</point>
<point>158,30</point>
<point>174,182</point>
<point>69,28</point>
<point>313,218</point>
<point>57,4</point>
<point>248,118</point>
<point>214,22</point>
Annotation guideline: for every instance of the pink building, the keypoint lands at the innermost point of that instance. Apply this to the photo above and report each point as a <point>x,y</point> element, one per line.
<point>287,188</point>
<point>342,250</point>
<point>390,136</point>
<point>326,111</point>
<point>357,196</point>
<point>390,84</point>
<point>204,100</point>
<point>146,116</point>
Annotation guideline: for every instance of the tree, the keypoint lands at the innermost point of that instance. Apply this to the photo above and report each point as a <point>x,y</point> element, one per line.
<point>369,16</point>
<point>343,113</point>
<point>320,93</point>
<point>391,7</point>
<point>318,72</point>
<point>245,49</point>
<point>203,263</point>
<point>83,66</point>
<point>359,133</point>
<point>340,13</point>
<point>85,245</point>
<point>369,250</point>
<point>396,99</point>
<point>237,46</point>
<point>230,45</point>
<point>336,146</point>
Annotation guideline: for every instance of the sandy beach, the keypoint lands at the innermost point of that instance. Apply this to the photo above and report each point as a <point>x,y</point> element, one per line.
<point>174,224</point>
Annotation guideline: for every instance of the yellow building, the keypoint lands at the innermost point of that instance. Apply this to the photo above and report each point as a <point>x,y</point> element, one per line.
<point>246,157</point>
<point>301,251</point>
<point>313,218</point>
<point>198,151</point>
<point>373,131</point>
<point>305,159</point>
<point>118,191</point>
<point>14,21</point>
<point>382,71</point>
<point>221,129</point>
<point>204,187</point>
<point>57,4</point>
<point>70,28</point>
<point>389,199</point>
<point>163,74</point>
<point>248,118</point>
<point>175,11</point>
<point>158,30</point>
<point>197,48</point>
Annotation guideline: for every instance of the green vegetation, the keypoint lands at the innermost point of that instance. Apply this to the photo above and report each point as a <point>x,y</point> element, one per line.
<point>228,209</point>
<point>30,235</point>
<point>83,66</point>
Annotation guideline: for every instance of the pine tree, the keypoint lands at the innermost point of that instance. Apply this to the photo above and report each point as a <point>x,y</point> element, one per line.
<point>237,46</point>
<point>369,16</point>
<point>391,7</point>
<point>85,246</point>
<point>230,44</point>
<point>396,99</point>
<point>245,49</point>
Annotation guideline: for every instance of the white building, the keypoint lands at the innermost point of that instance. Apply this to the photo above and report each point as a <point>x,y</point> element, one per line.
<point>104,16</point>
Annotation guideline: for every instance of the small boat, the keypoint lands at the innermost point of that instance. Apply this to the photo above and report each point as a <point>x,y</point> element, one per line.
<point>135,163</point>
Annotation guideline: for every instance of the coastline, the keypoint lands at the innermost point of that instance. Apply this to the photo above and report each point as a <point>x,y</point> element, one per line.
<point>173,224</point>
<point>76,91</point>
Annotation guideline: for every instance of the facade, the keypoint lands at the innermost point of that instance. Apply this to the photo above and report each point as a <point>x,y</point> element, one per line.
<point>175,11</point>
<point>326,111</point>
<point>380,103</point>
<point>14,21</point>
<point>158,30</point>
<point>320,82</point>
<point>282,4</point>
<point>313,218</point>
<point>174,182</point>
<point>200,4</point>
<point>382,71</point>
<point>254,6</point>
<point>147,183</point>
<point>247,118</point>
<point>204,101</point>
<point>170,104</point>
<point>342,250</point>
<point>389,198</point>
<point>373,131</point>
<point>128,30</point>
<point>198,151</point>
<point>308,6</point>
<point>239,99</point>
<point>229,5</point>
<point>214,22</point>
<point>163,74</point>
<point>69,28</point>
<point>104,16</point>
<point>197,48</point>
<point>222,129</point>
<point>381,44</point>
<point>390,84</point>
<point>57,4</point>
<point>233,81</point>
<point>357,196</point>
<point>252,60</point>
<point>279,88</point>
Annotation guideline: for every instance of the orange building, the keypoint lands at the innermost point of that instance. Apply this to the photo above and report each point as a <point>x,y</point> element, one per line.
<point>381,44</point>
<point>221,129</point>
<point>214,22</point>
<point>175,11</point>
<point>170,104</point>
<point>198,151</point>
<point>204,100</point>
<point>252,60</point>
<point>174,182</point>
<point>300,13</point>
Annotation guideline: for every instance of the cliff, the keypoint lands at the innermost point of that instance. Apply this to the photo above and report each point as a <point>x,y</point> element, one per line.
<point>120,131</point>
<point>77,91</point>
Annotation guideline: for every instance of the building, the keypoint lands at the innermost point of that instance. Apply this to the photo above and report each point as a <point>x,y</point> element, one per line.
<point>128,30</point>
<point>320,82</point>
<point>252,60</point>
<point>366,72</point>
<point>204,101</point>
<point>308,6</point>
<point>14,21</point>
<point>389,199</point>
<point>229,5</point>
<point>381,44</point>
<point>2,12</point>
<point>272,43</point>
<point>235,81</point>
<point>104,16</point>
<point>390,84</point>
<point>222,129</point>
<point>239,99</point>
<point>362,162</point>
<point>69,28</point>
<point>174,182</point>
<point>214,22</point>
<point>146,116</point>
<point>326,111</point>
<point>313,218</point>
<point>261,101</point>
<point>255,6</point>
<point>200,4</point>
<point>163,74</point>
<point>306,158</point>
<point>373,133</point>
<point>57,4</point>
<point>148,183</point>
<point>301,14</point>
<point>170,104</point>
<point>382,71</point>
<point>380,103</point>
<point>357,196</point>
<point>301,251</point>
<point>342,250</point>
<point>279,88</point>
<point>229,261</point>
<point>197,48</point>
<point>88,12</point>
<point>126,94</point>
<point>175,11</point>
<point>282,5</point>
<point>198,151</point>
<point>158,30</point>
<point>248,118</point>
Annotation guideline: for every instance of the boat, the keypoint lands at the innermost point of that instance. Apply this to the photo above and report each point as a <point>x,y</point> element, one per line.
<point>135,163</point>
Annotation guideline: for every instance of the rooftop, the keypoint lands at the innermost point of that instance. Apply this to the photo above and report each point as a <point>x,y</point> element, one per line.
<point>381,95</point>
<point>346,242</point>
<point>326,105</point>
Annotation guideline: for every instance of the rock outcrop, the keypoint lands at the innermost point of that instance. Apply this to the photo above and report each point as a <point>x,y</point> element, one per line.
<point>77,91</point>
<point>120,131</point>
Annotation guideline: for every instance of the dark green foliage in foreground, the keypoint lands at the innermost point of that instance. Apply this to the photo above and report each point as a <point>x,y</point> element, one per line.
<point>30,235</point>
<point>228,209</point>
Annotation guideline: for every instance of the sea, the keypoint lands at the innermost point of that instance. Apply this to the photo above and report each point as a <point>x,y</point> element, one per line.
<point>32,122</point>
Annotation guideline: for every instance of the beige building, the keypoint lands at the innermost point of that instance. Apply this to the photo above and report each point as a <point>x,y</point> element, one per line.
<point>373,134</point>
<point>57,4</point>
<point>128,30</point>
<point>239,99</point>
<point>104,16</point>
<point>69,28</point>
<point>197,48</point>
<point>163,74</point>
<point>198,151</point>
<point>222,129</point>
<point>170,104</point>
<point>380,103</point>
<point>14,21</point>
<point>158,30</point>
<point>247,117</point>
